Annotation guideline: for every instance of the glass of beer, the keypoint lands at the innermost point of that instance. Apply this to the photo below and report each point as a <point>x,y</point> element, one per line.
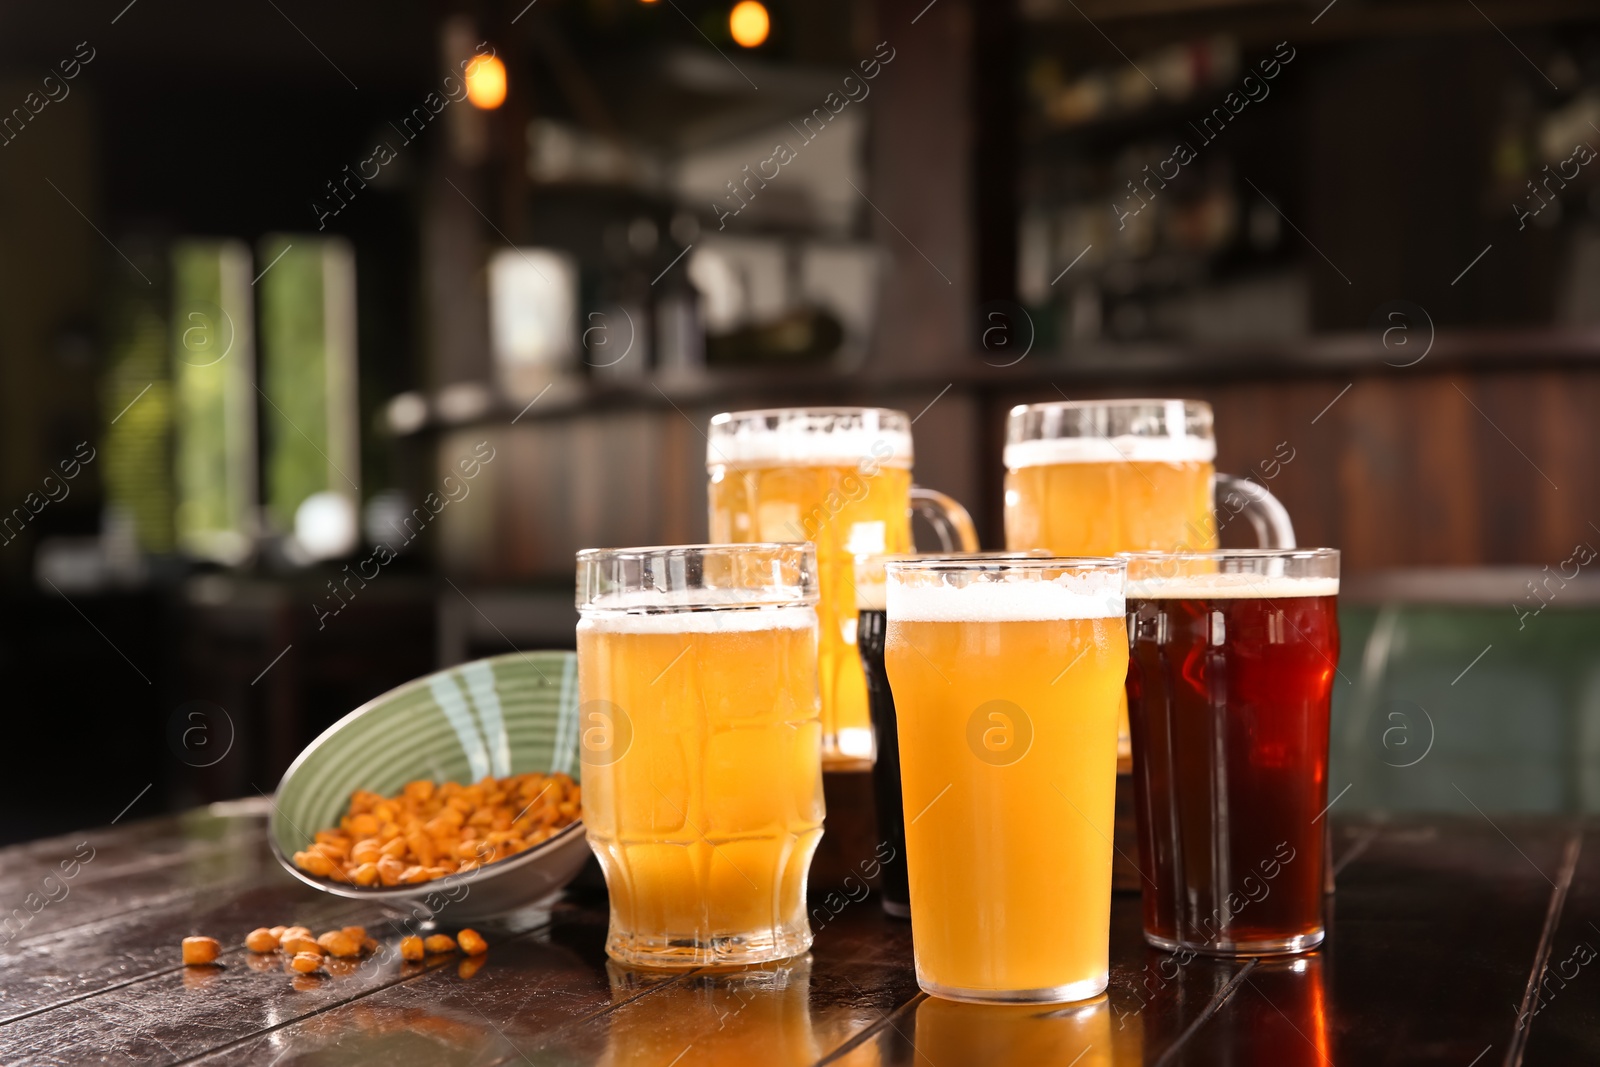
<point>700,741</point>
<point>871,634</point>
<point>1006,676</point>
<point>1098,477</point>
<point>841,479</point>
<point>1232,661</point>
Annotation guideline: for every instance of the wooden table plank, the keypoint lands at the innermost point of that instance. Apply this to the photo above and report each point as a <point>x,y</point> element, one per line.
<point>531,982</point>
<point>1563,1019</point>
<point>1434,931</point>
<point>115,851</point>
<point>132,947</point>
<point>554,997</point>
<point>177,1016</point>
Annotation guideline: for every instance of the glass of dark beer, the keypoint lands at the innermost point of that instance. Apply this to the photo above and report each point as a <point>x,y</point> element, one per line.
<point>871,630</point>
<point>1232,658</point>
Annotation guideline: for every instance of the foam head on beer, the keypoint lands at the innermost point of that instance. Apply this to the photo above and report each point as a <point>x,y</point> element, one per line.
<point>824,437</point>
<point>1093,478</point>
<point>1230,586</point>
<point>1093,595</point>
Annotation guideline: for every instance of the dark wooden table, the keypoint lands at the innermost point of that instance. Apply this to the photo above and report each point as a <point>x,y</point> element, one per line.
<point>1453,941</point>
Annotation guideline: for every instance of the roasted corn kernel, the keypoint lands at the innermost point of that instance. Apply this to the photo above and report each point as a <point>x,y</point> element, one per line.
<point>198,950</point>
<point>431,831</point>
<point>298,943</point>
<point>261,939</point>
<point>306,962</point>
<point>340,943</point>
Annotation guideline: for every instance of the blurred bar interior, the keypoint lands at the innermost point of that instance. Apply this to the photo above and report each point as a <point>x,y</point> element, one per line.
<point>329,333</point>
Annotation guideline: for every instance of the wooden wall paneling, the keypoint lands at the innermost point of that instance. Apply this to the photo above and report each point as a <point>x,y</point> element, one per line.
<point>1442,454</point>
<point>1371,476</point>
<point>1568,450</point>
<point>1244,422</point>
<point>1508,441</point>
<point>945,438</point>
<point>1252,422</point>
<point>1307,483</point>
<point>681,482</point>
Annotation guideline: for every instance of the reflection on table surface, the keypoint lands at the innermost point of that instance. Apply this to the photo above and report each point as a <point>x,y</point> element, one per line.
<point>994,1035</point>
<point>93,977</point>
<point>759,1014</point>
<point>1276,1014</point>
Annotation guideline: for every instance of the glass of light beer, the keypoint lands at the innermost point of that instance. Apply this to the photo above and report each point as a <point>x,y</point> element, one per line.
<point>700,741</point>
<point>841,479</point>
<point>1232,661</point>
<point>1097,477</point>
<point>1006,676</point>
<point>871,635</point>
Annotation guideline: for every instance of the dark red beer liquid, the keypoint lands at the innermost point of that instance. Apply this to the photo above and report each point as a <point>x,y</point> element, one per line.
<point>1228,712</point>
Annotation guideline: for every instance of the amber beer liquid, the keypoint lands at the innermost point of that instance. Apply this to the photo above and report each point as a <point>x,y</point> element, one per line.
<point>841,479</point>
<point>1099,495</point>
<point>1231,670</point>
<point>1007,677</point>
<point>700,743</point>
<point>1095,478</point>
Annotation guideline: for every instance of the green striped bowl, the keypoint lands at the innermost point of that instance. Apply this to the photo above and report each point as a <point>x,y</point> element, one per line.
<point>509,714</point>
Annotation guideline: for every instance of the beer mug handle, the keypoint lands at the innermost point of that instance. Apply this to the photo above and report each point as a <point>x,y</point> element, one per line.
<point>948,519</point>
<point>1265,512</point>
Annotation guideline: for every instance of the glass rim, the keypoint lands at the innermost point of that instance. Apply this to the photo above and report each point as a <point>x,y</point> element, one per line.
<point>1118,402</point>
<point>1220,554</point>
<point>654,579</point>
<point>642,551</point>
<point>979,563</point>
<point>821,409</point>
<point>1000,554</point>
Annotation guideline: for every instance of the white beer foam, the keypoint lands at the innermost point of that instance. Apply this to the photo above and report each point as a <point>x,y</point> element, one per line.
<point>622,614</point>
<point>1127,448</point>
<point>1233,586</point>
<point>796,444</point>
<point>1071,596</point>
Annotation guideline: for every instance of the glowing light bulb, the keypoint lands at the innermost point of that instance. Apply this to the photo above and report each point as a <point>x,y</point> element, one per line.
<point>486,82</point>
<point>749,23</point>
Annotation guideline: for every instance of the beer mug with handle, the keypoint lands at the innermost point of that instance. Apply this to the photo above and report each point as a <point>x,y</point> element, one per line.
<point>839,477</point>
<point>1098,477</point>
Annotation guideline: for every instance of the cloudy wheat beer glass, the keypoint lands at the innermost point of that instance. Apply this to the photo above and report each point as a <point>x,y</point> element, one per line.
<point>1007,676</point>
<point>1231,670</point>
<point>700,742</point>
<point>841,479</point>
